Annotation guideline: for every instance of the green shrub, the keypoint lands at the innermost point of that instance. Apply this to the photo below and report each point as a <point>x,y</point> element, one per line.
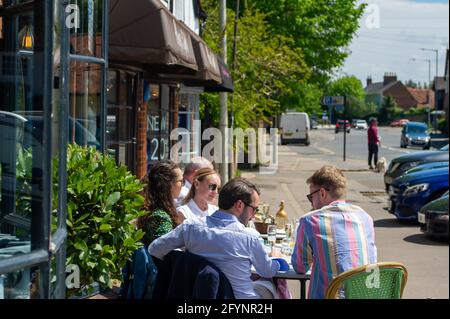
<point>102,200</point>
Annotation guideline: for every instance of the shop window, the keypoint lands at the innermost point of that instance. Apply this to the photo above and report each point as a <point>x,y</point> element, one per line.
<point>86,32</point>
<point>187,115</point>
<point>85,104</point>
<point>20,284</point>
<point>120,124</point>
<point>21,135</point>
<point>159,123</point>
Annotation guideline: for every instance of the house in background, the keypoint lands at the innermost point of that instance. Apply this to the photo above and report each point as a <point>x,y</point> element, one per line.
<point>424,97</point>
<point>405,97</point>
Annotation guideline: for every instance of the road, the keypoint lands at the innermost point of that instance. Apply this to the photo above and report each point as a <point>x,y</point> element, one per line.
<point>427,260</point>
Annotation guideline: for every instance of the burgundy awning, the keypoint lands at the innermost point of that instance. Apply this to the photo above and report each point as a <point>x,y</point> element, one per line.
<point>144,33</point>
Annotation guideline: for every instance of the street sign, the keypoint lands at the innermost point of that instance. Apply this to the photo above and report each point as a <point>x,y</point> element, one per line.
<point>333,100</point>
<point>340,108</point>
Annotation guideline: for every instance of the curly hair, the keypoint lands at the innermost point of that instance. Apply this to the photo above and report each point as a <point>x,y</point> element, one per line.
<point>199,176</point>
<point>158,192</point>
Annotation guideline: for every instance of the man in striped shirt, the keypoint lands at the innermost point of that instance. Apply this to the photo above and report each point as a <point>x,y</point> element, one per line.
<point>335,237</point>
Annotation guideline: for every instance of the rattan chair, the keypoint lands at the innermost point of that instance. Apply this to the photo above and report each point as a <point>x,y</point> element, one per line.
<point>385,280</point>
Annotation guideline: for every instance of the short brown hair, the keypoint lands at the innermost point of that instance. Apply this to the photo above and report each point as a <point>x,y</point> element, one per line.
<point>236,189</point>
<point>330,178</point>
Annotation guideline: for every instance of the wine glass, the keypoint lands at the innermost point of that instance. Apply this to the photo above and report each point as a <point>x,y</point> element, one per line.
<point>272,234</point>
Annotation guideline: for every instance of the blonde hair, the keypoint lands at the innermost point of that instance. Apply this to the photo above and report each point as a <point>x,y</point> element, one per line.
<point>332,179</point>
<point>199,176</point>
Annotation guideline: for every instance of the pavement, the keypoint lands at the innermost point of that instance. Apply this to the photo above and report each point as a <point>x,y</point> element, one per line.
<point>426,260</point>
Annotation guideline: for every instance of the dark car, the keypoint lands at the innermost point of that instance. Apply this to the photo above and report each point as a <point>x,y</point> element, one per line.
<point>433,217</point>
<point>410,192</point>
<point>415,134</point>
<point>406,162</point>
<point>342,126</point>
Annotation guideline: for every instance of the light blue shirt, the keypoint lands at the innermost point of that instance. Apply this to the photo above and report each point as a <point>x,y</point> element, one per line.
<point>225,242</point>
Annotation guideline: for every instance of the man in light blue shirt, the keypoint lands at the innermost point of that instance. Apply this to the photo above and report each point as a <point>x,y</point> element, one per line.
<point>224,240</point>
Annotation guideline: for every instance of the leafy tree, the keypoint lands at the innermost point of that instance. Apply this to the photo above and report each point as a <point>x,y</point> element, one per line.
<point>352,88</point>
<point>322,29</point>
<point>268,67</point>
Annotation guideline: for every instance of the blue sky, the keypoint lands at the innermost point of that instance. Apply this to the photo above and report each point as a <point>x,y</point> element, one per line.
<point>392,33</point>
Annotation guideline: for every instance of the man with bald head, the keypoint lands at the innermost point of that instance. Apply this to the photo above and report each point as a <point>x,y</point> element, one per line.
<point>190,170</point>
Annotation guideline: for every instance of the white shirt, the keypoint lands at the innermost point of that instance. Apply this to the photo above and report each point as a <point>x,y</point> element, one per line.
<point>191,210</point>
<point>224,241</point>
<point>184,192</point>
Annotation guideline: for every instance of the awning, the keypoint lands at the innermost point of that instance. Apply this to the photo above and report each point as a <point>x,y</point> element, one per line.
<point>208,74</point>
<point>146,34</point>
<point>227,81</point>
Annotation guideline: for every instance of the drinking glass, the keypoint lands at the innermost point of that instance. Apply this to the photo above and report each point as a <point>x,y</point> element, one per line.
<point>272,234</point>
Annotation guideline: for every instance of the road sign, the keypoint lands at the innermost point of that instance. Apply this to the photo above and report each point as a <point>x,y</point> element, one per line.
<point>340,108</point>
<point>333,100</point>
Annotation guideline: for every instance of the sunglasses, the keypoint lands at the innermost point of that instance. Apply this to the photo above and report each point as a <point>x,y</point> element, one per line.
<point>310,196</point>
<point>214,187</point>
<point>255,209</point>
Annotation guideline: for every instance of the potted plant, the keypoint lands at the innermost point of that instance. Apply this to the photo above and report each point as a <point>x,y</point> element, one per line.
<point>102,201</point>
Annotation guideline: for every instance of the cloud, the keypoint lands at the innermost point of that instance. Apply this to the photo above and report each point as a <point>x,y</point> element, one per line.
<point>392,33</point>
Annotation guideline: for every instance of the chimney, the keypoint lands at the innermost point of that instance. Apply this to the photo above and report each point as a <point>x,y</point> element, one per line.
<point>369,80</point>
<point>389,77</point>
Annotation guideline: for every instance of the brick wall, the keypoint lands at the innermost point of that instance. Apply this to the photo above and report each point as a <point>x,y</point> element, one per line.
<point>141,134</point>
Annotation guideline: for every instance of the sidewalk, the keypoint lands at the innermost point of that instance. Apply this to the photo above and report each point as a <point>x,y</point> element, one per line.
<point>289,183</point>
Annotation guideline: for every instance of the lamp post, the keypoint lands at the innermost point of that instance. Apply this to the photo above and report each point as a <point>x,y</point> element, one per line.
<point>429,82</point>
<point>437,73</point>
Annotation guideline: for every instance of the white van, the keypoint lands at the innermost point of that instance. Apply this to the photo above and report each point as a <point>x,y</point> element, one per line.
<point>295,127</point>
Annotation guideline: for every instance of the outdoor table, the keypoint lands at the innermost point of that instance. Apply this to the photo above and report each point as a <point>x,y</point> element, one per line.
<point>291,274</point>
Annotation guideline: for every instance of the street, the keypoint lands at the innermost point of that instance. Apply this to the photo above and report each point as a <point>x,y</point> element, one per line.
<point>426,260</point>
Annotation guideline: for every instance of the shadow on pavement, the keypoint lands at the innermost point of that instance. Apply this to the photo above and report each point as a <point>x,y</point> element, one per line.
<point>422,239</point>
<point>394,223</point>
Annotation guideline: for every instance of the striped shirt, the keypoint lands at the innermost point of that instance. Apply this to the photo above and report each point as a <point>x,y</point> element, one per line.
<point>331,240</point>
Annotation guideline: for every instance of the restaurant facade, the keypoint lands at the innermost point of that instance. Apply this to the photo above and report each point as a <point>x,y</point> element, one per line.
<point>101,73</point>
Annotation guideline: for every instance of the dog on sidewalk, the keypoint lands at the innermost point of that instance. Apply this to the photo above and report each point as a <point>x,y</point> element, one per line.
<point>381,165</point>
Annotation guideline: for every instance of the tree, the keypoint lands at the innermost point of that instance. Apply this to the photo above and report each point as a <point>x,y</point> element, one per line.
<point>388,108</point>
<point>352,88</point>
<point>322,29</point>
<point>268,67</point>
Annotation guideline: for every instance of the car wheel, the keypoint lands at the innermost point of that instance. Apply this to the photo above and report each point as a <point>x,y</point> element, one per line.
<point>335,132</point>
<point>283,142</point>
<point>308,142</point>
<point>427,147</point>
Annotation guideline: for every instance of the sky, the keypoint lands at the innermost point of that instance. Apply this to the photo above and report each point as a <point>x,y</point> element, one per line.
<point>392,33</point>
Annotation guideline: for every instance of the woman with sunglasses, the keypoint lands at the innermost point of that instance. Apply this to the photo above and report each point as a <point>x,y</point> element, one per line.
<point>201,199</point>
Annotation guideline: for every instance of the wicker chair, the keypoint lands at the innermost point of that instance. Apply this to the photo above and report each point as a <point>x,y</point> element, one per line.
<point>385,280</point>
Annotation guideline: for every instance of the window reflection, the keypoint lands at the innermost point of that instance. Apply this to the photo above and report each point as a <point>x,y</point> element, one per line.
<point>86,35</point>
<point>85,104</point>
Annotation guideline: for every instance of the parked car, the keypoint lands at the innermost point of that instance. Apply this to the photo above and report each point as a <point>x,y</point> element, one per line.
<point>295,127</point>
<point>354,123</point>
<point>401,164</point>
<point>399,123</point>
<point>341,126</point>
<point>433,217</point>
<point>415,134</point>
<point>427,166</point>
<point>361,125</point>
<point>410,192</point>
